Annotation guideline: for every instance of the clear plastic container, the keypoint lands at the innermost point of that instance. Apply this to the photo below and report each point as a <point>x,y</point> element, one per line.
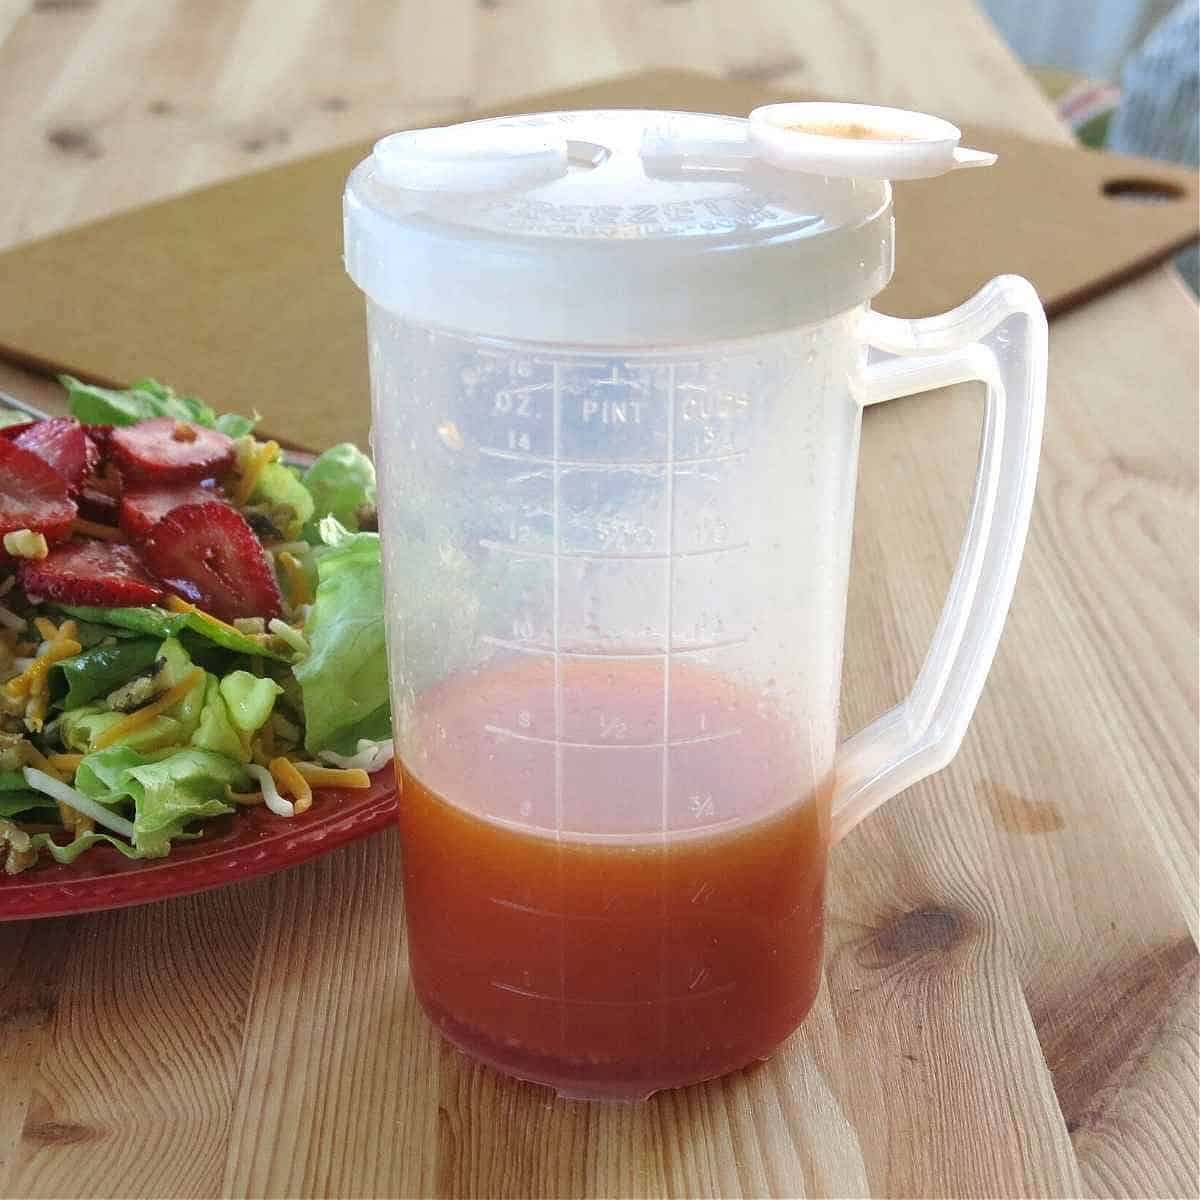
<point>616,517</point>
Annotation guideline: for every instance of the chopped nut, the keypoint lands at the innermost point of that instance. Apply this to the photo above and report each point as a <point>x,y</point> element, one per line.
<point>141,689</point>
<point>24,543</point>
<point>21,851</point>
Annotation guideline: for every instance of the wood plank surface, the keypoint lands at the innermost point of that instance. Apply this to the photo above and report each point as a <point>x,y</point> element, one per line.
<point>1010,996</point>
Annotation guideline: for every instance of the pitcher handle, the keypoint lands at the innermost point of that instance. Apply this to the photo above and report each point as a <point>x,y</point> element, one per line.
<point>999,338</point>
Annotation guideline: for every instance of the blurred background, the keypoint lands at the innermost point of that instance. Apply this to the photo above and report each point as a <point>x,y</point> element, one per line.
<point>1122,73</point>
<point>186,92</point>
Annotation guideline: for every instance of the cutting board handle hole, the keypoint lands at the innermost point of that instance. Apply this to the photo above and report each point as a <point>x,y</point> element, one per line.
<point>1143,190</point>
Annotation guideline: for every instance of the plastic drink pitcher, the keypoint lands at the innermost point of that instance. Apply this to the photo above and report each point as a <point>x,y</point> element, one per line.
<point>619,361</point>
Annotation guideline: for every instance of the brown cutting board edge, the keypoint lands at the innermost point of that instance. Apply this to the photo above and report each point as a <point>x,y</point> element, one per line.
<point>236,292</point>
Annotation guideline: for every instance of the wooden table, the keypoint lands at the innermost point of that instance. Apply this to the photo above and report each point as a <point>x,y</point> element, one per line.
<point>1010,999</point>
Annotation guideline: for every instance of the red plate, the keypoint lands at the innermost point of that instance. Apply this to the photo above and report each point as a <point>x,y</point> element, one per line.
<point>242,845</point>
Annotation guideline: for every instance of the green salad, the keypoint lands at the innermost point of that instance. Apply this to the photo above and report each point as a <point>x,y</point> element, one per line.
<point>188,625</point>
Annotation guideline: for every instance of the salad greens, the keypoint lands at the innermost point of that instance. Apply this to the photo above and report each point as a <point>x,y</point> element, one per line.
<point>144,725</point>
<point>147,398</point>
<point>167,792</point>
<point>159,623</point>
<point>344,679</point>
<point>16,796</point>
<point>80,679</point>
<point>342,484</point>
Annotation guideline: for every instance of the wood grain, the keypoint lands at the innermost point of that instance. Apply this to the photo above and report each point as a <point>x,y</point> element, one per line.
<point>1010,1001</point>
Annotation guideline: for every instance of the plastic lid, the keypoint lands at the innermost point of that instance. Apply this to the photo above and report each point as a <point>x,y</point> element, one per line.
<point>610,228</point>
<point>860,141</point>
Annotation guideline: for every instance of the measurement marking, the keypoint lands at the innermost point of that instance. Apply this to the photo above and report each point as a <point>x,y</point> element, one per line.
<point>556,401</point>
<point>721,990</point>
<point>665,783</point>
<point>535,648</point>
<point>545,741</point>
<point>632,918</point>
<point>612,555</point>
<point>542,460</point>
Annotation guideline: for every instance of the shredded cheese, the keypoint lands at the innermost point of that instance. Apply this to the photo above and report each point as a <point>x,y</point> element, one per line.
<point>245,486</point>
<point>33,678</point>
<point>74,820</point>
<point>106,533</point>
<point>144,716</point>
<point>35,710</point>
<point>46,628</point>
<point>320,777</point>
<point>35,758</point>
<point>295,578</point>
<point>288,779</point>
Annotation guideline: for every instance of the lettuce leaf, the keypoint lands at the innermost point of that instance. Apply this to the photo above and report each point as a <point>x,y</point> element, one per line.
<point>167,793</point>
<point>17,797</point>
<point>289,503</point>
<point>234,425</point>
<point>77,680</point>
<point>216,732</point>
<point>157,622</point>
<point>9,416</point>
<point>68,852</point>
<point>342,484</point>
<point>344,679</point>
<point>249,699</point>
<point>80,727</point>
<point>179,667</point>
<point>145,399</point>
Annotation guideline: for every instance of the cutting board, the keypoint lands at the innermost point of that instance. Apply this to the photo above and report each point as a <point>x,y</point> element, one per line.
<point>236,292</point>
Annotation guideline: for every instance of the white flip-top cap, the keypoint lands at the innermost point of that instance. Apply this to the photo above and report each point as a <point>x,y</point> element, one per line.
<point>860,141</point>
<point>470,158</point>
<point>610,228</point>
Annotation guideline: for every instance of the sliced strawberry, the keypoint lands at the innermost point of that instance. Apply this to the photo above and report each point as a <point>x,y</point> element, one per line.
<point>108,574</point>
<point>33,495</point>
<point>63,444</point>
<point>97,505</point>
<point>164,450</point>
<point>99,436</point>
<point>143,505</point>
<point>210,556</point>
